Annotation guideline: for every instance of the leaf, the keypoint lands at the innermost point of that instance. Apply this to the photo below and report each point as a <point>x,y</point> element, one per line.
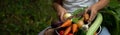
<point>111,19</point>
<point>78,11</point>
<point>75,20</point>
<point>114,3</point>
<point>118,12</point>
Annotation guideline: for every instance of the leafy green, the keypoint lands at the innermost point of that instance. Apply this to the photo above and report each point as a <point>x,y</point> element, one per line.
<point>111,20</point>
<point>78,11</point>
<point>111,15</point>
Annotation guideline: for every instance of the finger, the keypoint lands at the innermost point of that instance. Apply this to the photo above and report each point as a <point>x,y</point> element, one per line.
<point>62,19</point>
<point>86,10</point>
<point>92,16</point>
<point>62,16</point>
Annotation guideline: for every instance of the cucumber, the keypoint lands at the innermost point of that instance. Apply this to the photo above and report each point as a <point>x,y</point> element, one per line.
<point>95,25</point>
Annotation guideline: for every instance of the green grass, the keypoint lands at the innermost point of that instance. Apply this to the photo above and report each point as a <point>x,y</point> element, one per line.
<point>25,17</point>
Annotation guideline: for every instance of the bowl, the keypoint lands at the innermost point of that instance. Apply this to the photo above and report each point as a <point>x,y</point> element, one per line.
<point>98,31</point>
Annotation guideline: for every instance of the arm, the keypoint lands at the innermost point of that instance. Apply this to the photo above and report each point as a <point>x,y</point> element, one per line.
<point>60,10</point>
<point>96,7</point>
<point>101,4</point>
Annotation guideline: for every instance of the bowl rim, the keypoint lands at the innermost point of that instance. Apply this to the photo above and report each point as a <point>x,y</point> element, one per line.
<point>99,31</point>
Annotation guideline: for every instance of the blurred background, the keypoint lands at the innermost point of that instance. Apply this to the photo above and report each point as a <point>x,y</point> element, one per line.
<point>29,17</point>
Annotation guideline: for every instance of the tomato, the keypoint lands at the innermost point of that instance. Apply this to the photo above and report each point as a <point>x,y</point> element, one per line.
<point>70,34</point>
<point>61,32</point>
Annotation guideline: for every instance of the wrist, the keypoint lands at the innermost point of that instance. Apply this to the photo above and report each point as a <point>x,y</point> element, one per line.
<point>94,8</point>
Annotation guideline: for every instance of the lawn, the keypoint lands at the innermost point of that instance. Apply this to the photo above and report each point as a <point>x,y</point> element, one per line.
<point>25,17</point>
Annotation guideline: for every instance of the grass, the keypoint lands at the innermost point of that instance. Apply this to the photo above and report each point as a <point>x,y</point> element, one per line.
<point>25,17</point>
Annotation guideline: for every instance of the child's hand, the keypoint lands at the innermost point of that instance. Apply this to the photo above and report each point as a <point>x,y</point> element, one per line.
<point>92,12</point>
<point>61,14</point>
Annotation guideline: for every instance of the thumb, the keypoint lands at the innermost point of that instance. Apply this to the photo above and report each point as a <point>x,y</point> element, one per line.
<point>92,16</point>
<point>86,10</point>
<point>62,16</point>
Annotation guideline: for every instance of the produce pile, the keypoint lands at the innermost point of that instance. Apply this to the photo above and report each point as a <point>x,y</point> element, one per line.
<point>78,23</point>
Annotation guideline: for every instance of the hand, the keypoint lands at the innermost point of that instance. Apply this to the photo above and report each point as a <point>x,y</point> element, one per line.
<point>61,14</point>
<point>93,13</point>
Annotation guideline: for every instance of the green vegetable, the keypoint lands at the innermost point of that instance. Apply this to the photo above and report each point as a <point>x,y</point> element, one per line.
<point>111,19</point>
<point>78,11</point>
<point>93,28</point>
